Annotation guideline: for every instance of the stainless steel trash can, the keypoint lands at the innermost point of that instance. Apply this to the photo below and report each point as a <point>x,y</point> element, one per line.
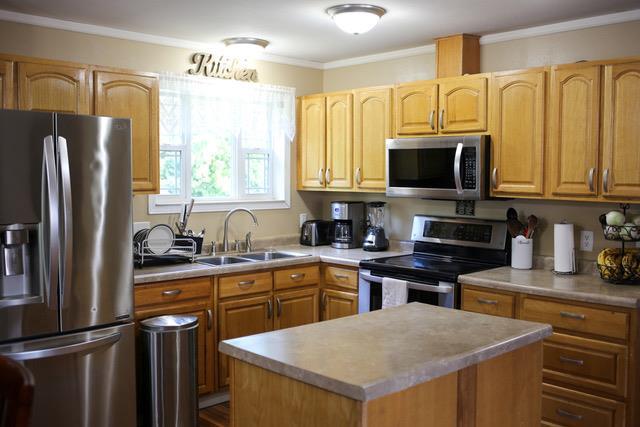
<point>169,387</point>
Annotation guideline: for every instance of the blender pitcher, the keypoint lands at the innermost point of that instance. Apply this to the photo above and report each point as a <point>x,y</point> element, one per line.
<point>375,238</point>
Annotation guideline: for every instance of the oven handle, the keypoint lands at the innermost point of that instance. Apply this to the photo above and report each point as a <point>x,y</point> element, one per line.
<point>441,289</point>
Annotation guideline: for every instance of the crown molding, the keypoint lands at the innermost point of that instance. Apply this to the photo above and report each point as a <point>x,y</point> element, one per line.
<point>542,30</point>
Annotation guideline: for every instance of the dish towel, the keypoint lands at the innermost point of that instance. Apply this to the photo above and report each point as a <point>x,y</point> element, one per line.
<point>394,292</point>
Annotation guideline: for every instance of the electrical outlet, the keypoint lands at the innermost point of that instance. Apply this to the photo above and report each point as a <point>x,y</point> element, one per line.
<point>303,218</point>
<point>586,241</point>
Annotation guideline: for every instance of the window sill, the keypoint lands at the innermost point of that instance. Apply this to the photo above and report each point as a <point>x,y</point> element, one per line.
<point>156,208</point>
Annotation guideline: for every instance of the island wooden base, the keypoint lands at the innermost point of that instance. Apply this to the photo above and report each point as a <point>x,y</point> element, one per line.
<point>503,391</point>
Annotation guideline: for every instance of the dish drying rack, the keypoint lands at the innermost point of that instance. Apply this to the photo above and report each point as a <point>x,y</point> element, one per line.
<point>181,250</point>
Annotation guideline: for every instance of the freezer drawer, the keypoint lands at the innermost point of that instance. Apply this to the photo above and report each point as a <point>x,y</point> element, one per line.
<point>84,379</point>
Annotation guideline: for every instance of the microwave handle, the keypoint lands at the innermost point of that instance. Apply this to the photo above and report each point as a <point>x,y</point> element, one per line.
<point>456,168</point>
<point>441,289</point>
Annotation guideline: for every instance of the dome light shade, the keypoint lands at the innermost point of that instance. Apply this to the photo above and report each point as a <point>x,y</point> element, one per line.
<point>245,46</point>
<point>356,18</point>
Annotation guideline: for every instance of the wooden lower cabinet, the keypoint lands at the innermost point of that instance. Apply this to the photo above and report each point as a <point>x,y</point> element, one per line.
<point>337,304</point>
<point>488,302</point>
<point>295,308</point>
<point>570,408</point>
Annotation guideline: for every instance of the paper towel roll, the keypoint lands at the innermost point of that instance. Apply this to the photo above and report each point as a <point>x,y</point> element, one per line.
<point>563,249</point>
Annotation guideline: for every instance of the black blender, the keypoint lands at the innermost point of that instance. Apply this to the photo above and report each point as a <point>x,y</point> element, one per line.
<point>375,238</point>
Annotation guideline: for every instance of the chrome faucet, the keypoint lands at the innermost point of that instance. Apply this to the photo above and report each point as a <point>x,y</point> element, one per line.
<point>225,237</point>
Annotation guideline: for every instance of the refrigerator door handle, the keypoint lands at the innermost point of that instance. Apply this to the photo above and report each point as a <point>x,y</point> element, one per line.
<point>51,221</point>
<point>81,346</point>
<point>67,209</point>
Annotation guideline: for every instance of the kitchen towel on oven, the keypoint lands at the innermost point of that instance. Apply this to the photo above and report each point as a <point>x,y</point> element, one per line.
<point>394,292</point>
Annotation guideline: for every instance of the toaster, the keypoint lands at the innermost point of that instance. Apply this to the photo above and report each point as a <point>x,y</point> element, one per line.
<point>316,232</point>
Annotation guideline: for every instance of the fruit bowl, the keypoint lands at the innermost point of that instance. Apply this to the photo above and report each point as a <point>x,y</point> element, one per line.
<point>618,266</point>
<point>622,233</point>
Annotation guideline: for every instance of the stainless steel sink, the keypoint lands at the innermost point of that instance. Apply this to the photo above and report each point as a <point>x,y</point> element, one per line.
<point>271,255</point>
<point>223,260</point>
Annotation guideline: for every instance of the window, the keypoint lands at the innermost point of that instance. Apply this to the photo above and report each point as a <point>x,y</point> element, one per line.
<point>223,143</point>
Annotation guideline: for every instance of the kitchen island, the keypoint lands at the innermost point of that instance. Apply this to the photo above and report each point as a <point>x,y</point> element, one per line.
<point>410,365</point>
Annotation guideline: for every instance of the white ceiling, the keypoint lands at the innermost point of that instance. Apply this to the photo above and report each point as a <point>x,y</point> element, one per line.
<point>300,29</point>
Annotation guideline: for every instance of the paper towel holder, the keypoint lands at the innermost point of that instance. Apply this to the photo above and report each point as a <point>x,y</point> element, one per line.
<point>574,269</point>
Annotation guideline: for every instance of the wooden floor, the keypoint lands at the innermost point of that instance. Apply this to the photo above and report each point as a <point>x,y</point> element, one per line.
<point>215,416</point>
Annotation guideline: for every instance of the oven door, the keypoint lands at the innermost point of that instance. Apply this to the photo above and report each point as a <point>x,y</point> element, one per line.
<point>449,168</point>
<point>443,294</point>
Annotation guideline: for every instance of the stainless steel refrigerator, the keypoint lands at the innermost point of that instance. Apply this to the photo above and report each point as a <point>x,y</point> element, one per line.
<point>66,272</point>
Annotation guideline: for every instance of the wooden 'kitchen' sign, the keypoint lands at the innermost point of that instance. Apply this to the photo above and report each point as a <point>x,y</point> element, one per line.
<point>221,67</point>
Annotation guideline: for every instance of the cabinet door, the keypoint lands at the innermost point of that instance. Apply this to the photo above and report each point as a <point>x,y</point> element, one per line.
<point>574,131</point>
<point>240,318</point>
<point>46,87</point>
<point>337,304</point>
<point>517,133</point>
<point>312,142</point>
<point>296,308</point>
<point>621,131</point>
<point>134,96</point>
<point>372,127</point>
<point>339,173</point>
<point>463,105</point>
<point>416,109</point>
<point>6,84</point>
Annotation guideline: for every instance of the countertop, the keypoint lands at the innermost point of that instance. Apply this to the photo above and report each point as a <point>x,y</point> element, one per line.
<point>347,257</point>
<point>577,287</point>
<point>378,353</point>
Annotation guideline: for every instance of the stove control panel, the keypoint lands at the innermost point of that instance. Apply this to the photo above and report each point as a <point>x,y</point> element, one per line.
<point>459,231</point>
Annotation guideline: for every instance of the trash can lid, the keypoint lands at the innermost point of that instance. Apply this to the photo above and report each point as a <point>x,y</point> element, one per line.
<point>169,323</point>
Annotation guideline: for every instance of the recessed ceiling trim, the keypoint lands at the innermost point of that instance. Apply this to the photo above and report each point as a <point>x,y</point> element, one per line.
<point>576,24</point>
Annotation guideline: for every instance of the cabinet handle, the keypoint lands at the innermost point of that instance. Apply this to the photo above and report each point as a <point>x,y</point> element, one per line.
<point>487,301</point>
<point>592,171</point>
<point>442,119</point>
<point>431,114</point>
<point>269,309</point>
<point>279,306</point>
<point>571,315</point>
<point>327,176</point>
<point>572,361</point>
<point>246,282</point>
<point>605,180</point>
<point>568,414</point>
<point>494,178</point>
<point>209,319</point>
<point>324,301</point>
<point>297,276</point>
<point>172,292</point>
<point>320,176</point>
<point>358,177</point>
<point>341,276</point>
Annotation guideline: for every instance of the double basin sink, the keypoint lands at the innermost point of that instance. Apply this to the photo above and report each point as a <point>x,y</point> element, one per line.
<point>249,257</point>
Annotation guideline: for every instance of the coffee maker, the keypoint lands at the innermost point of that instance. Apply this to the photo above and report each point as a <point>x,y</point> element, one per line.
<point>349,223</point>
<point>375,238</point>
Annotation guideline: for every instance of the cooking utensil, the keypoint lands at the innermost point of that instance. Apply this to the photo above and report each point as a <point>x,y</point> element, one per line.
<point>532,223</point>
<point>188,214</point>
<point>513,225</point>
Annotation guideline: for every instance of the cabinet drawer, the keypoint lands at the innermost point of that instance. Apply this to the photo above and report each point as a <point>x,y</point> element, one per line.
<point>175,291</point>
<point>485,302</point>
<point>245,284</point>
<point>296,277</point>
<point>588,363</point>
<point>564,407</point>
<point>341,277</point>
<point>598,321</point>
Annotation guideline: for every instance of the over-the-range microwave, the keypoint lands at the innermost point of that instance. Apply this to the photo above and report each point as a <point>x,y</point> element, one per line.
<point>444,168</point>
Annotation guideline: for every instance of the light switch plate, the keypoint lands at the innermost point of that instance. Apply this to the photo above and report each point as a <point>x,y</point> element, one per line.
<point>303,218</point>
<point>586,241</point>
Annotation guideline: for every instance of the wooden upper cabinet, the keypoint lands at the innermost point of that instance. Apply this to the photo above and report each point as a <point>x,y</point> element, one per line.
<point>296,308</point>
<point>373,117</point>
<point>134,96</point>
<point>621,131</point>
<point>339,171</point>
<point>58,88</point>
<point>6,84</point>
<point>517,133</point>
<point>416,106</point>
<point>463,105</point>
<point>311,142</point>
<point>574,131</point>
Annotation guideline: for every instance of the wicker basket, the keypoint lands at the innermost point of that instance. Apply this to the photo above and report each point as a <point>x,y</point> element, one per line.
<point>619,274</point>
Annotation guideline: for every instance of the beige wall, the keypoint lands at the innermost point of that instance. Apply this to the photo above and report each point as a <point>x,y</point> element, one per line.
<point>77,47</point>
<point>610,41</point>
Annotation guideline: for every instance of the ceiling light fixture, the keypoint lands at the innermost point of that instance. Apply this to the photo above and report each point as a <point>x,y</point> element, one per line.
<point>244,46</point>
<point>356,18</point>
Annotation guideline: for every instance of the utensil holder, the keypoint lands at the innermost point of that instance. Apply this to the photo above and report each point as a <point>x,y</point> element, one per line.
<point>522,253</point>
